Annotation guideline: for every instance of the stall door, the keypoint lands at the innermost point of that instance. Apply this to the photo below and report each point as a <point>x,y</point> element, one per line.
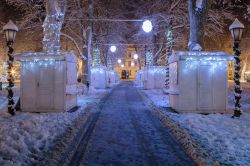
<point>45,87</point>
<point>28,87</point>
<point>205,88</point>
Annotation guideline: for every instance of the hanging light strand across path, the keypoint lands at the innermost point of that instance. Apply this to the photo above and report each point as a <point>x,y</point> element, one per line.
<point>107,19</point>
<point>127,44</point>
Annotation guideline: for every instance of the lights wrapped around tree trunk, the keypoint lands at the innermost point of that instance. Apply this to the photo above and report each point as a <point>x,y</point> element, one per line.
<point>149,58</point>
<point>237,87</point>
<point>52,28</point>
<point>169,36</point>
<point>109,65</point>
<point>11,102</point>
<point>96,57</point>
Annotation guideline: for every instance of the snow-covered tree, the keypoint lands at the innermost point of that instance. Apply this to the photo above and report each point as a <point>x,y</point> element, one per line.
<point>96,57</point>
<point>55,11</point>
<point>78,21</point>
<point>198,10</point>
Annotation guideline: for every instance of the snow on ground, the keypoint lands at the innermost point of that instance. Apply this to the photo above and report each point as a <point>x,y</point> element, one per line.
<point>158,97</point>
<point>227,140</point>
<point>27,136</point>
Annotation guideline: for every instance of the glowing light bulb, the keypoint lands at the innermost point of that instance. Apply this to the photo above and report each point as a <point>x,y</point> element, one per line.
<point>132,64</point>
<point>119,61</point>
<point>122,65</point>
<point>136,56</point>
<point>147,26</point>
<point>113,48</point>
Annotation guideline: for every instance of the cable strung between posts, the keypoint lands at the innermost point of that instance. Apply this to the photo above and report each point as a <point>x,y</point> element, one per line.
<point>106,19</point>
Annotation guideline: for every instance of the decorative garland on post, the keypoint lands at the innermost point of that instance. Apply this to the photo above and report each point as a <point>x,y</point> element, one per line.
<point>237,87</point>
<point>11,102</point>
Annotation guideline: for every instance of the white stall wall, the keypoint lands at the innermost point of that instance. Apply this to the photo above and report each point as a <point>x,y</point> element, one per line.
<point>139,78</point>
<point>198,82</point>
<point>152,77</point>
<point>48,81</point>
<point>112,78</point>
<point>99,77</point>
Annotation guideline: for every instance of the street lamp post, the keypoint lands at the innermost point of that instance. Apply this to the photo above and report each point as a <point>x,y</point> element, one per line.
<point>236,30</point>
<point>10,30</point>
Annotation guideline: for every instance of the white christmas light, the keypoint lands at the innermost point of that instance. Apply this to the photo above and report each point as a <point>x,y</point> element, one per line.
<point>216,63</point>
<point>136,56</point>
<point>147,26</point>
<point>122,65</point>
<point>132,64</point>
<point>52,31</point>
<point>97,60</point>
<point>113,48</point>
<point>149,58</point>
<point>119,61</point>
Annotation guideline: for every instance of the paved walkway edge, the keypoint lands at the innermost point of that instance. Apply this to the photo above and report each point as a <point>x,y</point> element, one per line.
<point>194,150</point>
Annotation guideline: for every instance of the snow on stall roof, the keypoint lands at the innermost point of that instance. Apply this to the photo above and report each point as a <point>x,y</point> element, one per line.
<point>200,55</point>
<point>25,137</point>
<point>227,140</point>
<point>60,56</point>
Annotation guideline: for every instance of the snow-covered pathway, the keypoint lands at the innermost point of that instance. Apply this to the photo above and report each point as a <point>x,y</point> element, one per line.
<point>126,133</point>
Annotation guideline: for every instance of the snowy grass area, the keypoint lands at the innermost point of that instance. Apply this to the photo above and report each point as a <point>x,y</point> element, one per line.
<point>25,137</point>
<point>227,140</point>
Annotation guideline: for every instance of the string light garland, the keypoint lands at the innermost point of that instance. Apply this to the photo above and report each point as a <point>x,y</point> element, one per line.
<point>10,78</point>
<point>109,64</point>
<point>215,60</point>
<point>236,29</point>
<point>237,87</point>
<point>107,19</point>
<point>149,58</point>
<point>96,57</point>
<point>10,30</point>
<point>52,27</point>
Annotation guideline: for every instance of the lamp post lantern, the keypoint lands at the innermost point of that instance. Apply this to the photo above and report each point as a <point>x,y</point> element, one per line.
<point>236,30</point>
<point>10,30</point>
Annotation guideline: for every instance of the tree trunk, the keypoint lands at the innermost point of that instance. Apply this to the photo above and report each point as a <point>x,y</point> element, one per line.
<point>90,36</point>
<point>55,10</point>
<point>198,10</point>
<point>50,7</point>
<point>169,50</point>
<point>155,49</point>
